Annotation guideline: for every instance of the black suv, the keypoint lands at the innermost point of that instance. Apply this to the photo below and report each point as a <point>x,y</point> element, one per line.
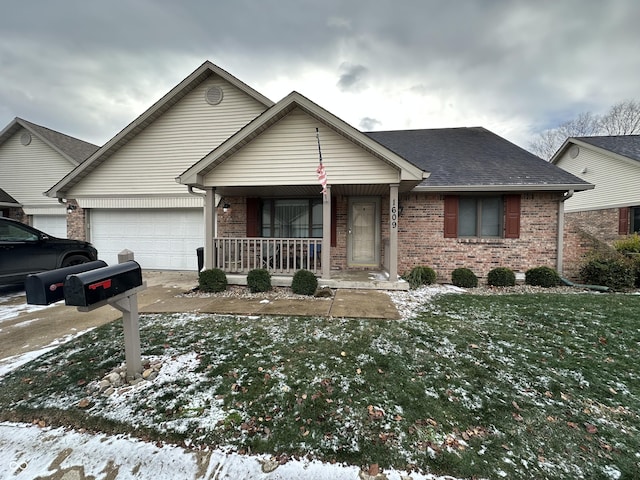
<point>25,250</point>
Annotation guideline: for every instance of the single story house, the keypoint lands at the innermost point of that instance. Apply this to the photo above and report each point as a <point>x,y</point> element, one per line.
<point>32,158</point>
<point>214,164</point>
<point>612,209</point>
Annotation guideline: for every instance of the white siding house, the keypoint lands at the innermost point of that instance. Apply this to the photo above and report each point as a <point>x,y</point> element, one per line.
<point>32,158</point>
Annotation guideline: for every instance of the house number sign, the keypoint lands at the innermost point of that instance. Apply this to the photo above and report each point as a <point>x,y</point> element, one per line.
<point>394,215</point>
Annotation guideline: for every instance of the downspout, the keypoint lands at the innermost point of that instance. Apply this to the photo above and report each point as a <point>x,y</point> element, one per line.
<point>560,242</point>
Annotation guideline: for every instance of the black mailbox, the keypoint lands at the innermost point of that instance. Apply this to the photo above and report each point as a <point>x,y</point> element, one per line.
<point>88,288</point>
<point>47,287</point>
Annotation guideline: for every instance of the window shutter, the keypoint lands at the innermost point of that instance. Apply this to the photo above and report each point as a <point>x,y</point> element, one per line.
<point>512,216</point>
<point>623,221</point>
<point>451,216</point>
<point>253,217</point>
<point>334,221</point>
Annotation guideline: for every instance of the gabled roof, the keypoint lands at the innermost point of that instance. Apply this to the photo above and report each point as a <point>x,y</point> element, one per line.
<point>624,145</point>
<point>74,150</point>
<point>194,175</point>
<point>475,159</point>
<point>204,71</point>
<point>7,200</point>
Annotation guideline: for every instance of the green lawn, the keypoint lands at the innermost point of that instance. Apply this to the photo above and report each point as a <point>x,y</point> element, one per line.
<point>503,386</point>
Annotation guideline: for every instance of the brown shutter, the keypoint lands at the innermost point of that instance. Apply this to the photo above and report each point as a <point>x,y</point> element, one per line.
<point>512,216</point>
<point>451,216</point>
<point>334,221</point>
<point>623,221</point>
<point>253,217</point>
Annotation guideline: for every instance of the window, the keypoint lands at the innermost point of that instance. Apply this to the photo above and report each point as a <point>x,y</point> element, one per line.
<point>291,218</point>
<point>635,219</point>
<point>482,216</point>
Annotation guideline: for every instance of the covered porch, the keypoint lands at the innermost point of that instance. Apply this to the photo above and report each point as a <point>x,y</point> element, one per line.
<point>263,206</point>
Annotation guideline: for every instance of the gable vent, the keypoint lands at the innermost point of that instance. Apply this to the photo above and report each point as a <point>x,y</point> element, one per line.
<point>25,138</point>
<point>213,96</point>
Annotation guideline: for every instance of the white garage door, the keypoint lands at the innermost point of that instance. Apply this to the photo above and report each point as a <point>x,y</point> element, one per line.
<point>160,239</point>
<point>54,225</point>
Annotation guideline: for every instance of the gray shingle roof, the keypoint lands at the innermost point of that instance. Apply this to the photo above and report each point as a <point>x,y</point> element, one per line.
<point>473,157</point>
<point>7,199</point>
<point>625,145</point>
<point>77,149</point>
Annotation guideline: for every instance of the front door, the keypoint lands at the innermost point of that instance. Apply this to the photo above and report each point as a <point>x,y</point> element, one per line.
<point>363,240</point>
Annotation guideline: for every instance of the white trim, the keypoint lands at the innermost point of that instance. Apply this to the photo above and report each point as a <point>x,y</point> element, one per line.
<point>141,202</point>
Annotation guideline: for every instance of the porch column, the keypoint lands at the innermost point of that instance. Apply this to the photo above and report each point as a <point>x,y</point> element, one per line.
<point>326,235</point>
<point>393,232</point>
<point>210,218</point>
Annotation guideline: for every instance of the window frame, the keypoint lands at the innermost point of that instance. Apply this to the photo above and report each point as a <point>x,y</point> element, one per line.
<point>311,202</point>
<point>634,220</point>
<point>509,216</point>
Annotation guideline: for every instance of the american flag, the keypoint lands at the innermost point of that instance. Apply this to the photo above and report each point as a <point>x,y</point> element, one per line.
<point>322,174</point>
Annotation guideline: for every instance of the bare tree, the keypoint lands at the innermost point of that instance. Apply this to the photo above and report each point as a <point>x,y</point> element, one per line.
<point>549,141</point>
<point>623,118</point>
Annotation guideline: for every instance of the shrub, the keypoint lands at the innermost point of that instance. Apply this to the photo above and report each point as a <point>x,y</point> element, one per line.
<point>259,280</point>
<point>213,280</point>
<point>501,277</point>
<point>615,272</point>
<point>419,276</point>
<point>304,283</point>
<point>630,244</point>
<point>463,277</point>
<point>542,277</point>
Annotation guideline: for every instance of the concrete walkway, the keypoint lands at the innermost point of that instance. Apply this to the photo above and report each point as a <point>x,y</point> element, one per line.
<point>39,327</point>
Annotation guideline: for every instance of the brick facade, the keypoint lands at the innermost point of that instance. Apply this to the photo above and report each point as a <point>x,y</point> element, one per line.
<point>421,235</point>
<point>422,242</point>
<point>583,231</point>
<point>76,223</point>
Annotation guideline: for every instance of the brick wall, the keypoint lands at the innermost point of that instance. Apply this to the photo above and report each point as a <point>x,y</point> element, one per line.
<point>76,222</point>
<point>421,235</point>
<point>422,242</point>
<point>583,231</point>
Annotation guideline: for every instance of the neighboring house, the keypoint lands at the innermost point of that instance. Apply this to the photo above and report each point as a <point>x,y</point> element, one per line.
<point>250,194</point>
<point>32,158</point>
<point>612,209</point>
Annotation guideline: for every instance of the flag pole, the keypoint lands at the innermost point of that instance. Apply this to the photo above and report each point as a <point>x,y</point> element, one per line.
<point>322,174</point>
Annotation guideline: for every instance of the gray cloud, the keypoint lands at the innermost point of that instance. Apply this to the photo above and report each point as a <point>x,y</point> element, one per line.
<point>353,78</point>
<point>88,68</point>
<point>368,124</point>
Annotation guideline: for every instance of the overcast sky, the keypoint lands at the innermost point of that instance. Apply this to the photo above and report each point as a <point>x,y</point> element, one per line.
<point>88,68</point>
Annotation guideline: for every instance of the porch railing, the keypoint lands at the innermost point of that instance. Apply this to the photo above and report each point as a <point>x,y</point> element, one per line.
<point>278,255</point>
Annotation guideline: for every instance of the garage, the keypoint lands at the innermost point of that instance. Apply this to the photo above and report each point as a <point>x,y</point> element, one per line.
<point>162,239</point>
<point>54,225</point>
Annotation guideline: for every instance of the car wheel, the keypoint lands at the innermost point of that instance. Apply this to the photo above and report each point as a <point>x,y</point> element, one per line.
<point>74,260</point>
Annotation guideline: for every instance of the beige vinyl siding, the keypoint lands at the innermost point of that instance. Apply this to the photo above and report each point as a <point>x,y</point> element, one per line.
<point>151,161</point>
<point>27,171</point>
<point>617,181</point>
<point>287,154</point>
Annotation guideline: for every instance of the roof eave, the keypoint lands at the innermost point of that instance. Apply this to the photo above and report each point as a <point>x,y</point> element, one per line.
<point>505,188</point>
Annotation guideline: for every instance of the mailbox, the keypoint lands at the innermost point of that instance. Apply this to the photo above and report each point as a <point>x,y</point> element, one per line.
<point>47,287</point>
<point>88,288</point>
